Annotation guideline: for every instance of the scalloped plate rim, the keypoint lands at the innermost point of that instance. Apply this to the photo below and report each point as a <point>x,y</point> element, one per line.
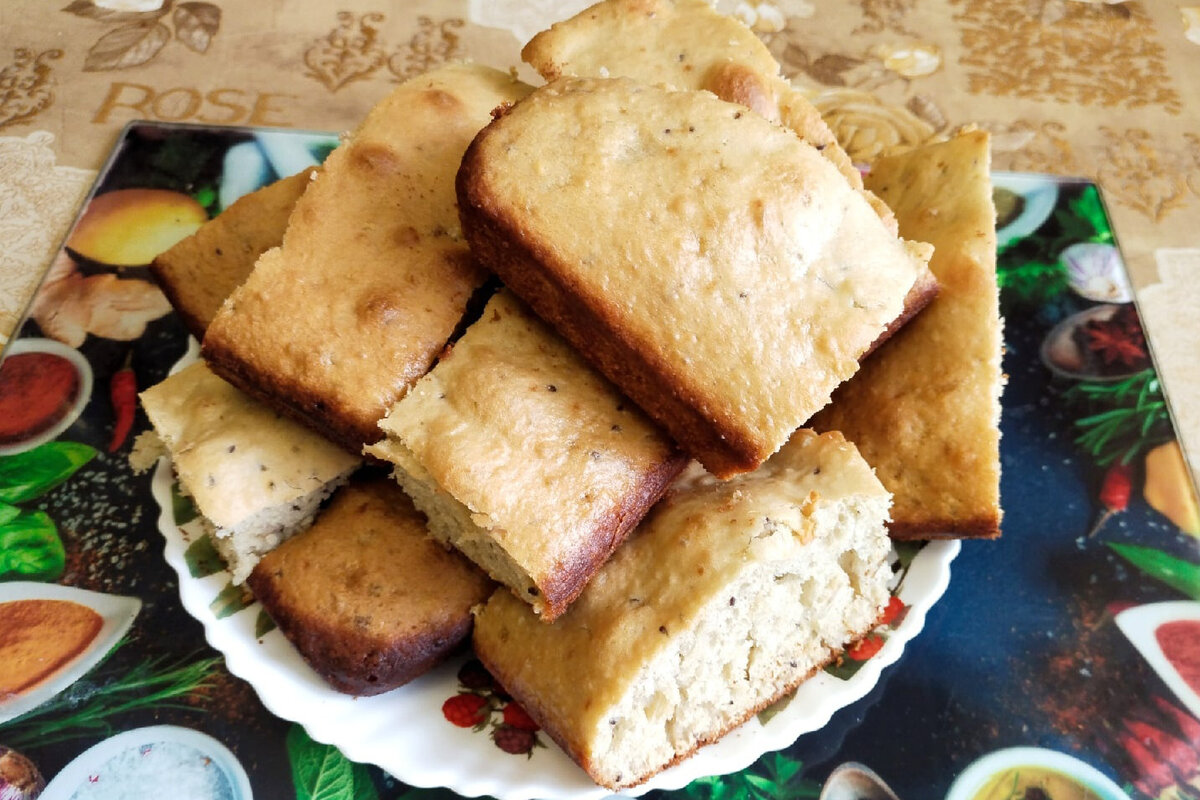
<point>558,778</point>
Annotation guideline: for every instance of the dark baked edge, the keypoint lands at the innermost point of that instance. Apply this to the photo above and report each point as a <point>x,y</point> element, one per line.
<point>165,278</point>
<point>985,526</point>
<point>532,270</point>
<point>355,664</point>
<point>923,291</point>
<point>543,717</point>
<point>290,398</point>
<point>614,527</point>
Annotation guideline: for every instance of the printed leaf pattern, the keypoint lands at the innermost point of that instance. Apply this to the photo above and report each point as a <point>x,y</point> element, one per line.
<point>321,772</point>
<point>139,36</point>
<point>202,559</point>
<point>89,10</point>
<point>196,24</point>
<point>127,46</point>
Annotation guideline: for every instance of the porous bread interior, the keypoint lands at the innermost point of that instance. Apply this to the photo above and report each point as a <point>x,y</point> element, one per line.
<point>747,647</point>
<point>243,545</point>
<point>455,525</point>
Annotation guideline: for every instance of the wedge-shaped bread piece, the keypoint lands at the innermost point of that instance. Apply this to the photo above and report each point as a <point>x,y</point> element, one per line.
<point>686,44</point>
<point>365,596</point>
<point>925,410</point>
<point>373,275</point>
<point>727,597</point>
<point>255,477</point>
<point>711,264</point>
<point>199,272</point>
<point>525,458</point>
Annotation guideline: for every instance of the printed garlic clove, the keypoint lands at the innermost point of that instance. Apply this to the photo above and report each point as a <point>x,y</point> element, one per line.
<point>1096,272</point>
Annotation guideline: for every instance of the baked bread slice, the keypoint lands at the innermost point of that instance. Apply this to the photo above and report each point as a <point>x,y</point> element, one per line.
<point>688,44</point>
<point>684,44</point>
<point>727,597</point>
<point>365,596</point>
<point>373,275</point>
<point>524,458</point>
<point>255,477</point>
<point>925,410</point>
<point>715,267</point>
<point>200,271</point>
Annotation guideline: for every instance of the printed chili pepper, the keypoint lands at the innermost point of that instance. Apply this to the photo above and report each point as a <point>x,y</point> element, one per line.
<point>1170,752</point>
<point>1188,725</point>
<point>1114,493</point>
<point>122,390</point>
<point>1152,776</point>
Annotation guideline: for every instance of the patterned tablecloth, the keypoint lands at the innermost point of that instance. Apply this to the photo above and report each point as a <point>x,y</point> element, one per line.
<point>1104,91</point>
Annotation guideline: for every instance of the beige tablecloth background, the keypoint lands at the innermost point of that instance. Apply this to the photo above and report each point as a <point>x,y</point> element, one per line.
<point>1107,91</point>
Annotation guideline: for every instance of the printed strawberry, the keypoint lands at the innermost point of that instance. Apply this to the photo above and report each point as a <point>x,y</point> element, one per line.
<point>514,740</point>
<point>467,710</point>
<point>517,717</point>
<point>893,612</point>
<point>865,647</point>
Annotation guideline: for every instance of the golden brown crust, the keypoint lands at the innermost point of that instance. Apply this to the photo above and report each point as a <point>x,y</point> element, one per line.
<point>920,295</point>
<point>566,584</point>
<point>199,272</point>
<point>289,397</point>
<point>557,729</point>
<point>925,409</point>
<point>704,268</point>
<point>500,243</point>
<point>373,276</point>
<point>525,458</point>
<point>365,597</point>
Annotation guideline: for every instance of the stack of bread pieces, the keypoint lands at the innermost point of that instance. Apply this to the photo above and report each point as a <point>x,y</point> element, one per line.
<point>583,325</point>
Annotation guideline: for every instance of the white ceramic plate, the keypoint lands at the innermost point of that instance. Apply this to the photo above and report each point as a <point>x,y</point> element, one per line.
<point>117,613</point>
<point>404,732</point>
<point>169,759</point>
<point>1140,624</point>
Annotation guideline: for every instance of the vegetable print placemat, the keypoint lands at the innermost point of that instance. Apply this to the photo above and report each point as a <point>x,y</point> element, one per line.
<point>1075,634</point>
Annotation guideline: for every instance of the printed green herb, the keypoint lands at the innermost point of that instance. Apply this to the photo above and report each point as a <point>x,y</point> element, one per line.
<point>90,707</point>
<point>30,548</point>
<point>263,625</point>
<point>202,558</point>
<point>1122,419</point>
<point>1183,576</point>
<point>8,513</point>
<point>774,777</point>
<point>29,475</point>
<point>182,507</point>
<point>231,600</point>
<point>321,772</point>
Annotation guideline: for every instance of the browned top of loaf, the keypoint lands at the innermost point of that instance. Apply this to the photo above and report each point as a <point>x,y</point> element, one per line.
<point>714,266</point>
<point>365,596</point>
<point>691,548</point>
<point>925,409</point>
<point>199,272</point>
<point>686,44</point>
<point>373,274</point>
